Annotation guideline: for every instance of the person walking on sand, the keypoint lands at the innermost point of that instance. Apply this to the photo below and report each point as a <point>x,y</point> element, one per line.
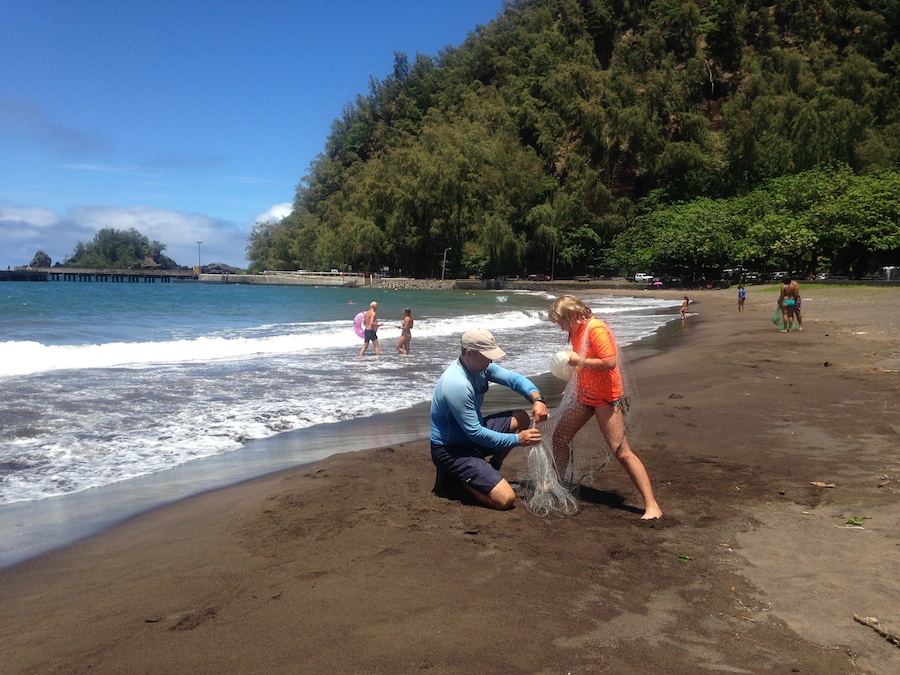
<point>405,332</point>
<point>684,307</point>
<point>600,395</point>
<point>370,325</point>
<point>787,300</point>
<point>462,439</point>
<point>742,296</point>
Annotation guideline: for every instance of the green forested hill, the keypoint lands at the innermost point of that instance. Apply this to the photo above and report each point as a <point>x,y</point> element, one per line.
<point>563,124</point>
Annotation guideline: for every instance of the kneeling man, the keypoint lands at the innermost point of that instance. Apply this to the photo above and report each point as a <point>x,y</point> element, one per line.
<point>462,440</point>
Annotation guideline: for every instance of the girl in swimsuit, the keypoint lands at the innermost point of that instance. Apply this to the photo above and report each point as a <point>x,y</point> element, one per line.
<point>405,332</point>
<point>600,394</point>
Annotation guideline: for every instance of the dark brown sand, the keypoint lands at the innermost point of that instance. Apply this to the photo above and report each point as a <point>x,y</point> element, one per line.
<point>352,565</point>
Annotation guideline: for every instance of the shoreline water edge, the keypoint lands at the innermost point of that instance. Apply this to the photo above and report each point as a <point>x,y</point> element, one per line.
<point>773,456</point>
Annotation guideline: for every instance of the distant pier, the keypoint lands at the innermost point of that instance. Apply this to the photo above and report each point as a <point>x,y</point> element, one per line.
<point>167,276</point>
<point>87,274</point>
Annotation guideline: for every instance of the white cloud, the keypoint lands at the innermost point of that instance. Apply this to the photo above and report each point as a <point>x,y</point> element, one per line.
<point>25,230</point>
<point>274,213</point>
<point>37,216</point>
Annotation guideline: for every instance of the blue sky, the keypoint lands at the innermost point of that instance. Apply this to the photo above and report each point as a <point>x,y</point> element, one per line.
<point>187,120</point>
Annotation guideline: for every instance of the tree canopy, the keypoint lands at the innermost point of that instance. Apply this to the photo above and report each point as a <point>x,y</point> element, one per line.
<point>564,124</point>
<point>826,219</point>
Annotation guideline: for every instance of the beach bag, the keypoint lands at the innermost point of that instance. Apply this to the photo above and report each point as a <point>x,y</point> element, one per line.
<point>779,321</point>
<point>776,318</point>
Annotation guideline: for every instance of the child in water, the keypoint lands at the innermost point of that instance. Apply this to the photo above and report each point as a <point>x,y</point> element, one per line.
<point>405,332</point>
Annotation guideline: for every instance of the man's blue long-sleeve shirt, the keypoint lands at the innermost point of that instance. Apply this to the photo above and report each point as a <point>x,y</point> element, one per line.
<point>456,406</point>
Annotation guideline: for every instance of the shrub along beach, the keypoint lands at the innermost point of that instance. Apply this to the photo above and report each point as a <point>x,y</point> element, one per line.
<point>774,457</point>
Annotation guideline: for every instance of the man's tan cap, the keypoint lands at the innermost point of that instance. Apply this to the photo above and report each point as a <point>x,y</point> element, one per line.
<point>481,341</point>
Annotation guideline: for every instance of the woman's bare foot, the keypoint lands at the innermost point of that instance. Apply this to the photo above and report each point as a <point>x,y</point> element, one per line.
<point>652,513</point>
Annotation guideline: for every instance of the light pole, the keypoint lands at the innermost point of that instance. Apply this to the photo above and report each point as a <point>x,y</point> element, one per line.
<point>198,256</point>
<point>553,261</point>
<point>444,264</point>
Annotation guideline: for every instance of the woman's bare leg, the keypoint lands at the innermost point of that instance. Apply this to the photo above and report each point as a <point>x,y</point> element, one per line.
<point>571,421</point>
<point>612,424</point>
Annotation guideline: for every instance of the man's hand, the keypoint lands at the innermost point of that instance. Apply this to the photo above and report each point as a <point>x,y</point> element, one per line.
<point>529,436</point>
<point>539,411</point>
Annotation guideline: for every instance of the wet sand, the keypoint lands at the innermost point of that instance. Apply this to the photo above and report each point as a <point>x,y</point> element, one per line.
<point>353,565</point>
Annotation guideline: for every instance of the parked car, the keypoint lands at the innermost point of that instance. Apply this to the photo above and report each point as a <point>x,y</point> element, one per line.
<point>538,277</point>
<point>734,274</point>
<point>670,281</point>
<point>643,278</point>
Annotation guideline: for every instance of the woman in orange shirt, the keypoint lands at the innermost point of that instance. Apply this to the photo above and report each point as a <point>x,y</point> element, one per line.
<point>599,394</point>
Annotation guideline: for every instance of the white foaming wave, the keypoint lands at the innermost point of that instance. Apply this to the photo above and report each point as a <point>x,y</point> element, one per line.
<point>629,303</point>
<point>29,358</point>
<point>158,436</point>
<point>533,294</point>
<point>604,310</point>
<point>456,326</point>
<point>600,302</point>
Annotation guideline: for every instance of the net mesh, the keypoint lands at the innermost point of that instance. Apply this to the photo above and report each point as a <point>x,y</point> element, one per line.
<point>573,448</point>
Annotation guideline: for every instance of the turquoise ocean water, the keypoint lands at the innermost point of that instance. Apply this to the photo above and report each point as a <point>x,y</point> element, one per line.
<point>110,387</point>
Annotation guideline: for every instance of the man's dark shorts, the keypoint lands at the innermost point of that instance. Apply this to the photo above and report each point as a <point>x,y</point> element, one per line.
<point>370,335</point>
<point>466,463</point>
